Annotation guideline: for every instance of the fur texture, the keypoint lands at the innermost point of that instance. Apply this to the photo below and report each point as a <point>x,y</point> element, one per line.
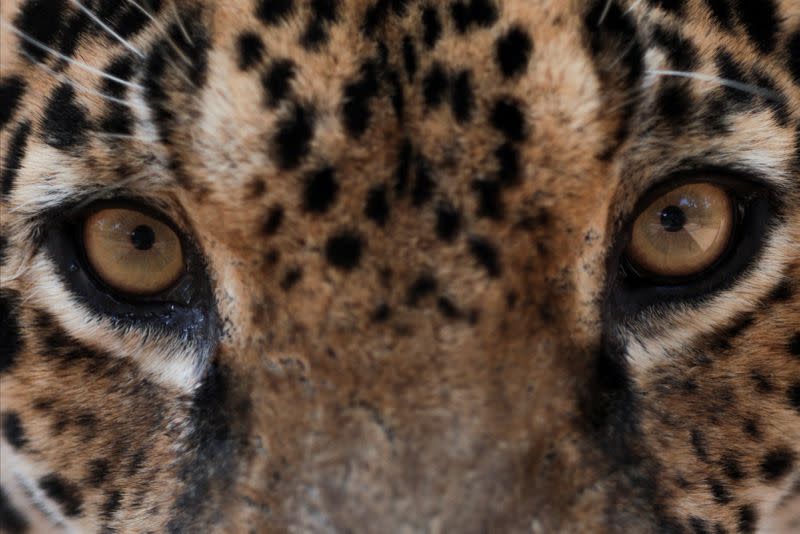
<point>408,213</point>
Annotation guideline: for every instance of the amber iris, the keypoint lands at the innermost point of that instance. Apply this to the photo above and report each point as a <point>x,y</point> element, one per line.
<point>132,252</point>
<point>683,232</point>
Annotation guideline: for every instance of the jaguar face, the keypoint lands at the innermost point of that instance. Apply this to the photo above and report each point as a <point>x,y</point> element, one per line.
<point>388,265</point>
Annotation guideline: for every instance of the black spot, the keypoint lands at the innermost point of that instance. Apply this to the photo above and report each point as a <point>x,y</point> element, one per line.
<point>377,206</point>
<point>66,494</point>
<point>721,10</point>
<point>674,102</point>
<point>10,338</point>
<point>481,13</point>
<point>506,116</point>
<point>396,92</point>
<point>250,48</point>
<point>375,16</point>
<point>762,383</point>
<point>751,428</point>
<point>462,99</point>
<point>65,123</point>
<point>673,6</point>
<point>343,250</point>
<point>41,21</point>
<point>513,51</point>
<point>722,341</point>
<point>681,52</point>
<point>760,19</point>
<point>277,81</point>
<point>422,286</point>
<point>274,11</point>
<point>747,519</point>
<point>490,203</point>
<point>793,55</point>
<point>431,26</point>
<point>88,426</point>
<point>719,492</point>
<point>320,191</point>
<point>315,35</point>
<point>777,101</point>
<point>10,518</point>
<point>409,57</point>
<point>793,394</point>
<point>11,91</point>
<point>782,292</point>
<point>111,504</point>
<point>14,157</point>
<point>794,344</point>
<point>3,249</point>
<point>357,97</point>
<point>423,184</point>
<point>698,441</point>
<point>448,221</point>
<point>98,472</point>
<point>403,166</point>
<point>196,49</point>
<point>118,120</point>
<point>698,525</point>
<point>434,85</point>
<point>732,468</point>
<point>273,220</point>
<point>293,138</point>
<point>290,279</point>
<point>730,69</point>
<point>13,431</point>
<point>381,313</point>
<point>121,67</point>
<point>447,308</point>
<point>132,20</point>
<point>777,463</point>
<point>327,10</point>
<point>508,160</point>
<point>486,255</point>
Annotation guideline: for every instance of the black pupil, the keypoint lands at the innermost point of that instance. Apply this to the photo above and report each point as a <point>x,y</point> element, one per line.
<point>143,237</point>
<point>673,218</point>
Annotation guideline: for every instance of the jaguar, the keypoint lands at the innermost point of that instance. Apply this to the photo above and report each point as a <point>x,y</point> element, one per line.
<point>400,266</point>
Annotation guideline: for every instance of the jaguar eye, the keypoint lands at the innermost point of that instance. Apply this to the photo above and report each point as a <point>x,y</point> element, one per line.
<point>683,233</point>
<point>132,252</point>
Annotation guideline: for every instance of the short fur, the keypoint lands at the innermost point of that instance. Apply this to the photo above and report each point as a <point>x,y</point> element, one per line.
<point>408,211</point>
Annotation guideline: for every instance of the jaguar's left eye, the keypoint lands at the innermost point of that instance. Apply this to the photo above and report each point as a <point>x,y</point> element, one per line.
<point>132,252</point>
<point>683,232</point>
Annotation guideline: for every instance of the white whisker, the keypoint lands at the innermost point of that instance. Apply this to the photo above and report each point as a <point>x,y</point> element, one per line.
<point>633,6</point>
<point>603,15</point>
<point>22,35</point>
<point>107,28</point>
<point>82,88</point>
<point>180,23</point>
<point>733,84</point>
<point>161,30</point>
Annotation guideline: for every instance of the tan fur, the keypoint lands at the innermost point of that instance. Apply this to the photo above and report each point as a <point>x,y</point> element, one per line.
<point>422,422</point>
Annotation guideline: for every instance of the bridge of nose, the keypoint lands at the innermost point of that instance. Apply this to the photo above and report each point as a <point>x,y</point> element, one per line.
<point>409,306</point>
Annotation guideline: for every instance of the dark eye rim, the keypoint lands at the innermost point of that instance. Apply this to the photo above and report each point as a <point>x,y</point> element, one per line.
<point>756,204</point>
<point>188,306</point>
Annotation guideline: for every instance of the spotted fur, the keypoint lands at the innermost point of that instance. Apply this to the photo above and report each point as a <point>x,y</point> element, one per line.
<point>407,213</point>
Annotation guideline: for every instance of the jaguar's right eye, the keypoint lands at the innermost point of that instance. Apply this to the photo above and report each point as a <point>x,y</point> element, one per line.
<point>132,252</point>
